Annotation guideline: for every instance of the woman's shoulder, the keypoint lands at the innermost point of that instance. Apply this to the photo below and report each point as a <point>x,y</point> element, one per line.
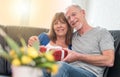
<point>44,38</point>
<point>43,34</point>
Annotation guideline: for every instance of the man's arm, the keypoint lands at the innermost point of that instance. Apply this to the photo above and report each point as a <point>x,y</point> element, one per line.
<point>105,59</point>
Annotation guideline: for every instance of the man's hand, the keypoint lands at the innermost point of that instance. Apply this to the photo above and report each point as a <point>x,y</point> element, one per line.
<point>71,57</point>
<point>32,39</point>
<point>105,59</point>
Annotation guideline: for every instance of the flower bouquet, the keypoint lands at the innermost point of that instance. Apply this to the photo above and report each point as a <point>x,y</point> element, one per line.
<point>29,58</point>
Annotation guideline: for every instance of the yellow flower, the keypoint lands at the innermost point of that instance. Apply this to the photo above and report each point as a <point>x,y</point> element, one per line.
<point>54,69</point>
<point>26,59</point>
<point>22,49</point>
<point>28,56</point>
<point>49,57</point>
<point>16,62</point>
<point>13,54</point>
<point>32,52</point>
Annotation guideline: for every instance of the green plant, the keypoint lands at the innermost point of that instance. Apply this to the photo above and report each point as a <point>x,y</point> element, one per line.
<point>27,56</point>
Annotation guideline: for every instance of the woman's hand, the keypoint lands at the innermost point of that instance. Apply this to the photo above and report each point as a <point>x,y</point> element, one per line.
<point>32,39</point>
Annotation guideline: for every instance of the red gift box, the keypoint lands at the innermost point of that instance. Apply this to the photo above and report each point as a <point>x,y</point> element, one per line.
<point>58,54</point>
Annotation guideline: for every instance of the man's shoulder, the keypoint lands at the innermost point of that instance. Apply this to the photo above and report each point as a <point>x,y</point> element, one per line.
<point>101,29</point>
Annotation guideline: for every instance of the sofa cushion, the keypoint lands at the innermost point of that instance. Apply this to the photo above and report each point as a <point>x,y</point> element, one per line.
<point>4,65</point>
<point>115,70</point>
<point>16,32</point>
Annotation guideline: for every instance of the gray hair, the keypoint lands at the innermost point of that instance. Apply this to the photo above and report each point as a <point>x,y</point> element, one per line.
<point>73,5</point>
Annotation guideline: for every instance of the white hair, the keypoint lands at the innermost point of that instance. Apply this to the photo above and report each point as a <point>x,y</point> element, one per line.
<point>73,5</point>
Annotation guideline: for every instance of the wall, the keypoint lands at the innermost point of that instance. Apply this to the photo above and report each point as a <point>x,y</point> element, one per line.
<point>37,13</point>
<point>104,13</point>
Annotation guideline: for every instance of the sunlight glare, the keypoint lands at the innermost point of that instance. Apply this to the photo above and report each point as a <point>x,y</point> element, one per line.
<point>21,7</point>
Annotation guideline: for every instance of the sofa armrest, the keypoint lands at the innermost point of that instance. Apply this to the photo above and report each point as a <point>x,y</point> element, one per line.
<point>115,70</point>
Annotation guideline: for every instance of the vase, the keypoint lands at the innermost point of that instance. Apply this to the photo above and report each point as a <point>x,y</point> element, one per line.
<point>26,71</point>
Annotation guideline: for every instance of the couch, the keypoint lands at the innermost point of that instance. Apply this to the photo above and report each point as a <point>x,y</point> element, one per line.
<point>16,32</point>
<point>19,31</point>
<point>115,70</point>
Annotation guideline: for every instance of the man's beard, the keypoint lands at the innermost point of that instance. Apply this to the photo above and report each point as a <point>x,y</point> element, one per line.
<point>78,27</point>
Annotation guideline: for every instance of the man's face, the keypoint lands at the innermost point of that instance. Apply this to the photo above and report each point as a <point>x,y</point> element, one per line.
<point>75,17</point>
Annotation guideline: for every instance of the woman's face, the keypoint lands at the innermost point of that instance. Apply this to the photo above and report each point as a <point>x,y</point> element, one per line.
<point>60,28</point>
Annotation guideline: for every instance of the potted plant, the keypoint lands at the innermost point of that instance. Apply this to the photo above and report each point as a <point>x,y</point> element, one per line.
<point>27,61</point>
